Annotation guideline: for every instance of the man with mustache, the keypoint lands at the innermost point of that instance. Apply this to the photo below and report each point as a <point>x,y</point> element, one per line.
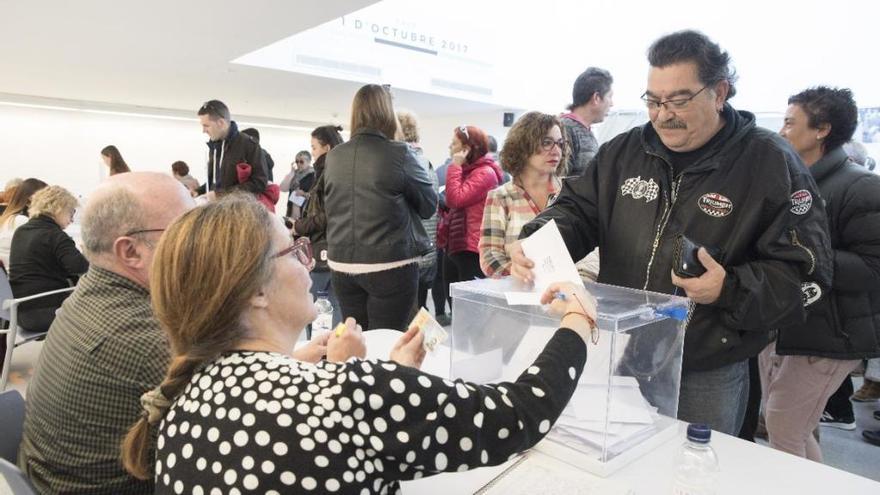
<point>704,170</point>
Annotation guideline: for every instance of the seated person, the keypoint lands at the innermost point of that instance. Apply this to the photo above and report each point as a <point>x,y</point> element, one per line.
<point>43,258</point>
<point>16,214</point>
<point>236,410</point>
<point>106,348</point>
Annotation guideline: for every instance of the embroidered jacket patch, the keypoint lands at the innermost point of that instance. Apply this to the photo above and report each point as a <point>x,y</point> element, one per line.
<point>715,205</point>
<point>638,188</point>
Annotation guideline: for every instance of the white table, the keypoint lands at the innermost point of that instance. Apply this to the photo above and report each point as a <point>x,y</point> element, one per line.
<point>746,468</point>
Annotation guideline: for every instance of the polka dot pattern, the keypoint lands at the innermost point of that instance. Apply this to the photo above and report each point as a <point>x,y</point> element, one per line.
<point>266,423</point>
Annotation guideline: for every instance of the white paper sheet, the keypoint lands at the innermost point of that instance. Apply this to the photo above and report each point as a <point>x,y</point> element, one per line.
<point>552,260</point>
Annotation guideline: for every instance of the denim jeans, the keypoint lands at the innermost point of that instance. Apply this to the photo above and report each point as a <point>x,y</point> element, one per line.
<point>385,299</point>
<point>716,397</point>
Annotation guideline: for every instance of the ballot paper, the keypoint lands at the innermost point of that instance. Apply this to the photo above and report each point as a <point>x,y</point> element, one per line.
<point>553,263</point>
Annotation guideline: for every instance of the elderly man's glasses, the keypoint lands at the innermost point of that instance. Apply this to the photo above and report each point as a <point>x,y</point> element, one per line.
<point>301,249</point>
<point>654,104</point>
<point>142,231</point>
<point>548,143</point>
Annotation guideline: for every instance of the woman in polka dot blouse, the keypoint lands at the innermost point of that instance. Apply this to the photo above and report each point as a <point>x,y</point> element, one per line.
<point>237,414</point>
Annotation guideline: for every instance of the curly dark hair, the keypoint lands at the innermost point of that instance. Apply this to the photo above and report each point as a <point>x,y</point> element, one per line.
<point>524,140</point>
<point>713,63</point>
<point>833,106</point>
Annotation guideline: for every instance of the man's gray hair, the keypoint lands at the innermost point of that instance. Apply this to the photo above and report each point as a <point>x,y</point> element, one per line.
<point>108,217</point>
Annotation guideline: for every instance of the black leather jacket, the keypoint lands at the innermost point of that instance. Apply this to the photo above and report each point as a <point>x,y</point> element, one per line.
<point>750,197</point>
<point>375,192</point>
<point>844,323</point>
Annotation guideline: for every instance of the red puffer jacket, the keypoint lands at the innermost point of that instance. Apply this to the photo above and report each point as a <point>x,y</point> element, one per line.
<point>466,189</point>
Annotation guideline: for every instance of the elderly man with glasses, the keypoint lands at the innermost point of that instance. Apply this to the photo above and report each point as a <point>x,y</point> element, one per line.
<point>703,172</point>
<point>105,347</point>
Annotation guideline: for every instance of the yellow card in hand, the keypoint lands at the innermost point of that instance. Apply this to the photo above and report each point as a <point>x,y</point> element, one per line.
<point>339,330</point>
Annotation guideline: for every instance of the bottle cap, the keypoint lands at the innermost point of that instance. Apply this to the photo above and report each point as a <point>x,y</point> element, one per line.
<point>699,433</point>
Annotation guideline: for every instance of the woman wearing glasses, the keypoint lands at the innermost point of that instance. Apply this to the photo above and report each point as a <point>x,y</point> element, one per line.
<point>534,154</point>
<point>375,193</point>
<point>469,178</point>
<point>299,180</point>
<point>44,258</point>
<point>236,412</point>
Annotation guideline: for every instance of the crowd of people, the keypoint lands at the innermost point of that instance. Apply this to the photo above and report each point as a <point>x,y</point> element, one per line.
<point>170,365</point>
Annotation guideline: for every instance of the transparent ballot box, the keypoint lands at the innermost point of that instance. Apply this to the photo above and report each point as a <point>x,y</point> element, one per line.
<point>627,396</point>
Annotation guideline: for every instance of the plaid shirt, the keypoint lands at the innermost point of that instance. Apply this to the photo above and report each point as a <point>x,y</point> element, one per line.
<point>507,210</point>
<point>103,351</point>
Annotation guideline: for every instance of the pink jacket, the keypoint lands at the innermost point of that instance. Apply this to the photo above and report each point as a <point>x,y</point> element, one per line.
<point>466,189</point>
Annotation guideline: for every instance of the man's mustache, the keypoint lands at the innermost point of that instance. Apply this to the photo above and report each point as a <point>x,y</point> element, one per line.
<point>673,124</point>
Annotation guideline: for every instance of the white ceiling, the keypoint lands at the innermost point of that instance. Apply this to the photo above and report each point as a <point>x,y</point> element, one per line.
<point>176,54</point>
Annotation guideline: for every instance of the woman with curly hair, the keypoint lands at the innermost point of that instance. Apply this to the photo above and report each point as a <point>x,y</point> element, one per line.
<point>534,154</point>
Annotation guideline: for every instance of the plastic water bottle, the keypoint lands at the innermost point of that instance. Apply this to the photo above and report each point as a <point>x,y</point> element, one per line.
<point>324,321</point>
<point>696,465</point>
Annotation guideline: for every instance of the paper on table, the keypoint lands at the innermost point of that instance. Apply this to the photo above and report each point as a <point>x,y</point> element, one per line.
<point>539,474</point>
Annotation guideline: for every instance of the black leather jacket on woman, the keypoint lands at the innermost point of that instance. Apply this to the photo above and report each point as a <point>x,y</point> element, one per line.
<point>844,323</point>
<point>375,192</point>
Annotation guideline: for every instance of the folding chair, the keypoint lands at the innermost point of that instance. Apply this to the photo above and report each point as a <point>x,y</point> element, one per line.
<point>14,334</point>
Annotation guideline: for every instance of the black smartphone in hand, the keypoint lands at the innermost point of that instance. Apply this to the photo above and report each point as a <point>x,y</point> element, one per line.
<point>685,262</point>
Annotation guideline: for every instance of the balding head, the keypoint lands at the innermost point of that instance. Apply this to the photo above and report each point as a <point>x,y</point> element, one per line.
<point>124,218</point>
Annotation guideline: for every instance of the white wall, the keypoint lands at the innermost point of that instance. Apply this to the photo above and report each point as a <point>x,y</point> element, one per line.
<point>436,133</point>
<point>62,146</point>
